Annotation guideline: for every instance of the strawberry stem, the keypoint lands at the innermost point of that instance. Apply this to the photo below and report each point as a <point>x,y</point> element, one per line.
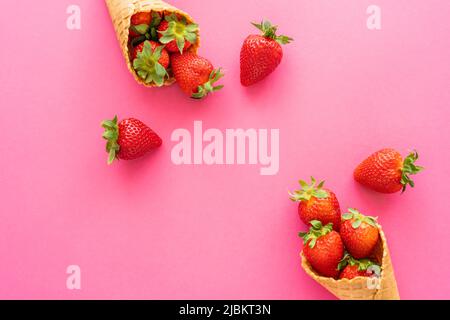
<point>308,191</point>
<point>204,89</point>
<point>359,218</point>
<point>147,66</point>
<point>409,168</point>
<point>363,264</point>
<point>270,31</point>
<point>111,135</point>
<point>180,31</point>
<point>316,231</point>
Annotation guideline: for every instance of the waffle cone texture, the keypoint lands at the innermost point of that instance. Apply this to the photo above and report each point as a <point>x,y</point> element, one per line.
<point>362,288</point>
<point>121,12</point>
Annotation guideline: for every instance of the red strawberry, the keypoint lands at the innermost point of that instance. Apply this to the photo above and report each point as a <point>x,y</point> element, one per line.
<point>128,140</point>
<point>323,248</point>
<point>359,233</point>
<point>261,54</point>
<point>177,34</point>
<point>195,75</point>
<point>140,22</point>
<point>143,27</point>
<point>150,61</point>
<point>352,268</point>
<point>385,171</point>
<point>316,203</point>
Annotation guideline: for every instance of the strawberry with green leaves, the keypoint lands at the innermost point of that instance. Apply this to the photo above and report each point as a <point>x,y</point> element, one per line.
<point>143,26</point>
<point>323,248</point>
<point>140,23</point>
<point>359,233</point>
<point>317,203</point>
<point>261,54</point>
<point>386,171</point>
<point>195,75</point>
<point>128,139</point>
<point>176,33</point>
<point>352,268</point>
<point>150,61</point>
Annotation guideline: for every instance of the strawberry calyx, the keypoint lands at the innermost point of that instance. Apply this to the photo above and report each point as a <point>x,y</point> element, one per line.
<point>409,168</point>
<point>180,31</point>
<point>146,31</point>
<point>308,191</point>
<point>111,135</point>
<point>147,66</point>
<point>316,231</point>
<point>270,31</point>
<point>362,264</point>
<point>359,218</point>
<point>204,89</point>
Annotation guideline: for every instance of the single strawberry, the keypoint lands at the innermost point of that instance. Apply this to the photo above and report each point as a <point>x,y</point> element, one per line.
<point>261,54</point>
<point>139,24</point>
<point>352,268</point>
<point>143,27</point>
<point>195,75</point>
<point>177,34</point>
<point>317,203</point>
<point>386,171</point>
<point>150,61</point>
<point>129,139</point>
<point>323,248</point>
<point>360,233</point>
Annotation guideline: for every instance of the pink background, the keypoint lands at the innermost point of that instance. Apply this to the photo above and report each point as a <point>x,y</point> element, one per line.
<point>150,229</point>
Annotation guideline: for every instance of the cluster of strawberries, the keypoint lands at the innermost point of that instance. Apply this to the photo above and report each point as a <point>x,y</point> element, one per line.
<point>342,246</point>
<point>159,46</point>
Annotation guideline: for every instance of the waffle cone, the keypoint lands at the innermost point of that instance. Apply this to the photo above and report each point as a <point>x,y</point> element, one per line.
<point>121,12</point>
<point>362,288</point>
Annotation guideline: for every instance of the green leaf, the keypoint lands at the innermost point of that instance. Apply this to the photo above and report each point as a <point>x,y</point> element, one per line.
<point>180,44</point>
<point>356,224</point>
<point>156,19</point>
<point>191,37</point>
<point>141,28</point>
<point>409,168</point>
<point>111,156</point>
<point>111,134</point>
<point>316,224</point>
<point>284,39</point>
<point>371,221</point>
<point>192,27</point>
<point>303,184</point>
<point>347,216</point>
<point>320,194</point>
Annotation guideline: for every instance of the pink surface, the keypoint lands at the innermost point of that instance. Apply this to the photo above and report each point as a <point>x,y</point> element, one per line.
<point>150,229</point>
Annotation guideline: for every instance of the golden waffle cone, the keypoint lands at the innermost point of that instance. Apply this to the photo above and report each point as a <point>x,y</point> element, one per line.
<point>121,12</point>
<point>360,288</point>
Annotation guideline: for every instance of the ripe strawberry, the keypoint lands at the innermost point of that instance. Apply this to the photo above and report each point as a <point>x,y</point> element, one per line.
<point>323,248</point>
<point>195,75</point>
<point>177,34</point>
<point>143,26</point>
<point>261,54</point>
<point>140,23</point>
<point>385,171</point>
<point>150,61</point>
<point>352,268</point>
<point>317,203</point>
<point>359,233</point>
<point>128,140</point>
